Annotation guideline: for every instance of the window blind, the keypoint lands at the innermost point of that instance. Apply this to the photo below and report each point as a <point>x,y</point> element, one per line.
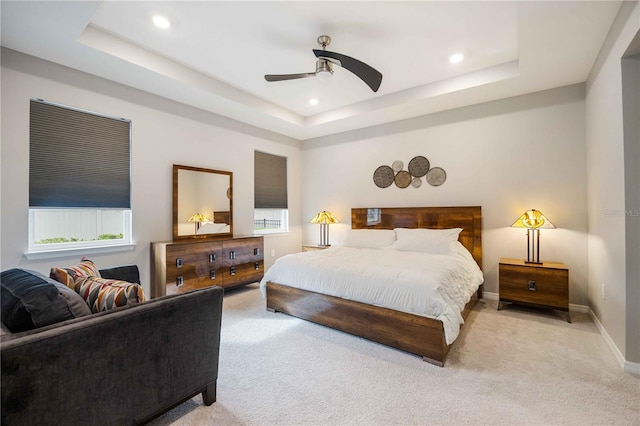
<point>77,158</point>
<point>270,181</point>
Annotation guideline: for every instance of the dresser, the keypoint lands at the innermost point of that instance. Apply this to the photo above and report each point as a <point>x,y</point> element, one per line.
<point>180,266</point>
<point>544,285</point>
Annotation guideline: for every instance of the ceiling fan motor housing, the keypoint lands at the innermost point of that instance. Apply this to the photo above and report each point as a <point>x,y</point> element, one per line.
<point>323,69</point>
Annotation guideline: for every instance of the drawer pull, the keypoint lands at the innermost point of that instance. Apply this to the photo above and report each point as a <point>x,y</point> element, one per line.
<point>532,286</point>
<point>232,270</point>
<point>256,252</point>
<point>180,281</point>
<point>212,275</point>
<point>257,265</point>
<point>179,262</point>
<point>232,254</point>
<point>212,257</point>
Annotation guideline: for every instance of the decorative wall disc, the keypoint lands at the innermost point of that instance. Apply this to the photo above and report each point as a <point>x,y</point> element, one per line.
<point>403,179</point>
<point>383,176</point>
<point>436,176</point>
<point>397,166</point>
<point>418,166</point>
<point>416,182</point>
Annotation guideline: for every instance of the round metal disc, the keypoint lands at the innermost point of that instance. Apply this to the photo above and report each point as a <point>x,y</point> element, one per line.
<point>397,166</point>
<point>416,182</point>
<point>418,166</point>
<point>383,177</point>
<point>436,176</point>
<point>403,179</point>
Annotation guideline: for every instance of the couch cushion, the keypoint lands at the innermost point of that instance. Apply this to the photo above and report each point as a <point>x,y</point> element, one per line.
<point>102,294</point>
<point>70,275</point>
<point>30,300</point>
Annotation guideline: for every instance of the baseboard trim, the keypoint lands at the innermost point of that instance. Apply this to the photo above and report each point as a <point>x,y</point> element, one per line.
<point>489,295</point>
<point>627,366</point>
<point>632,368</point>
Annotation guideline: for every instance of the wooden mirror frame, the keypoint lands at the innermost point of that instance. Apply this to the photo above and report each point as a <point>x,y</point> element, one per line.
<point>225,214</point>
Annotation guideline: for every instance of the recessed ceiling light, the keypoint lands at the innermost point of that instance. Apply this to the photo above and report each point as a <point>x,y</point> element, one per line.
<point>456,58</point>
<point>313,101</point>
<point>161,22</point>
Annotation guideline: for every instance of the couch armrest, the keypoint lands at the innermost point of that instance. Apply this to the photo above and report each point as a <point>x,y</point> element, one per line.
<point>129,273</point>
<point>119,367</point>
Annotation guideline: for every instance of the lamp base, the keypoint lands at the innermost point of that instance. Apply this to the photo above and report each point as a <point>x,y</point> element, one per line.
<point>533,262</point>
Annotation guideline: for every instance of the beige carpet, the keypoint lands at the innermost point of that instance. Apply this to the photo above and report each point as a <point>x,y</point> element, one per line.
<point>514,366</point>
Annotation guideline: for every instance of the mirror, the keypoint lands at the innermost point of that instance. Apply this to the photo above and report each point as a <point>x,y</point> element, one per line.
<point>202,203</point>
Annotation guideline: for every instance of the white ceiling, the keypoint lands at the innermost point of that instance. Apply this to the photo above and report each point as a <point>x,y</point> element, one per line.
<point>215,54</point>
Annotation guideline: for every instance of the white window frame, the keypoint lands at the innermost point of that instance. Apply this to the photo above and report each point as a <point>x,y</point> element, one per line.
<point>284,220</point>
<point>52,250</point>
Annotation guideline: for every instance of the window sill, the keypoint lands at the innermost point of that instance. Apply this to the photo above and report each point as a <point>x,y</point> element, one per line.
<point>271,233</point>
<point>73,251</point>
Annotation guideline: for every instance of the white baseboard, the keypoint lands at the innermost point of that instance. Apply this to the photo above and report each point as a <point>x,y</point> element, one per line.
<point>632,368</point>
<point>489,295</point>
<point>583,309</point>
<point>627,366</point>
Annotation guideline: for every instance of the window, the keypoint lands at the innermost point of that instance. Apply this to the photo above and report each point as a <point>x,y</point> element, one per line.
<point>271,214</point>
<point>79,178</point>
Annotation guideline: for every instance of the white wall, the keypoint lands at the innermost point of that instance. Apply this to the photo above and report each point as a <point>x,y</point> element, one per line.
<point>506,156</point>
<point>163,133</point>
<point>606,189</point>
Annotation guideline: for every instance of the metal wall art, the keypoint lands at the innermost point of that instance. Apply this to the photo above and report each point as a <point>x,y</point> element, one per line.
<point>419,166</point>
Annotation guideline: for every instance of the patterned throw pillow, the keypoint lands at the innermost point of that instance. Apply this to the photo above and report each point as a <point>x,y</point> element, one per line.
<point>102,294</point>
<point>72,275</point>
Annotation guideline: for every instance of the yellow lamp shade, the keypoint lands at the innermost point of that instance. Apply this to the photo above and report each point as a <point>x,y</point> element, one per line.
<point>324,217</point>
<point>197,218</point>
<point>532,219</point>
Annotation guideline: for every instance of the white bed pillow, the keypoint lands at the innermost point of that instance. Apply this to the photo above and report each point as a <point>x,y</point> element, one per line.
<point>435,241</point>
<point>211,228</point>
<point>370,238</point>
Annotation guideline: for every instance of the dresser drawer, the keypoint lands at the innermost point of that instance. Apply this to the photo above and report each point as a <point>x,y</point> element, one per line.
<point>245,250</point>
<point>244,273</point>
<point>536,285</point>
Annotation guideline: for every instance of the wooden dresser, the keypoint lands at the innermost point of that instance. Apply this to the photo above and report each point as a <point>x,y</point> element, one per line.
<point>545,285</point>
<point>179,266</point>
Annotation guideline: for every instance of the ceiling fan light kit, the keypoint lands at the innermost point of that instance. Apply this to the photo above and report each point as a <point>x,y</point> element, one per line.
<point>324,69</point>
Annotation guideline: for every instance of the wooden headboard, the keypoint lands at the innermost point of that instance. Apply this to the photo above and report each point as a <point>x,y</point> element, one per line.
<point>222,217</point>
<point>467,218</point>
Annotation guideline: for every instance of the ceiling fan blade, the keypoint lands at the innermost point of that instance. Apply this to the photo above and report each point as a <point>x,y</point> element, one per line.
<point>366,73</point>
<point>281,77</point>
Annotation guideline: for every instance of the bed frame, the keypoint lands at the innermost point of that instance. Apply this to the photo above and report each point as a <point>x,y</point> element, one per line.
<point>412,333</point>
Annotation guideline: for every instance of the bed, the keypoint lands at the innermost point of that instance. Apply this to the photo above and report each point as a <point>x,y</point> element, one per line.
<point>421,334</point>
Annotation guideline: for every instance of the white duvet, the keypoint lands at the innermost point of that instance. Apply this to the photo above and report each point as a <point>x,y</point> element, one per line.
<point>431,285</point>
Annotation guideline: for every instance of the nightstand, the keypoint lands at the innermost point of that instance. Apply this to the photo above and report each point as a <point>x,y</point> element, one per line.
<point>542,285</point>
<point>314,248</point>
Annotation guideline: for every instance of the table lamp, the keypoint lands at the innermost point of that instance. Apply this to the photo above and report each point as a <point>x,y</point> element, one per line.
<point>324,218</point>
<point>533,220</point>
<point>197,218</point>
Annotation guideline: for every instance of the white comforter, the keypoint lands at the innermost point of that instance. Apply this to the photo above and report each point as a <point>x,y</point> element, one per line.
<point>431,285</point>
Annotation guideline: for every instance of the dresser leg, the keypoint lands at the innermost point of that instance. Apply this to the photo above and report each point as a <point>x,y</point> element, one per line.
<point>568,317</point>
<point>499,304</point>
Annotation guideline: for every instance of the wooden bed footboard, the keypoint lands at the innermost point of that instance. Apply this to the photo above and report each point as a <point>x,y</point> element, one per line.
<point>411,333</point>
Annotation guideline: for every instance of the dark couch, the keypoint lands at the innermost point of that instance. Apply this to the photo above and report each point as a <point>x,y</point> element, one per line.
<point>123,366</point>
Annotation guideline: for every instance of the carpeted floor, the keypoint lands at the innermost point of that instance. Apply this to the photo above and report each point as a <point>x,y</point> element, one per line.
<point>514,366</point>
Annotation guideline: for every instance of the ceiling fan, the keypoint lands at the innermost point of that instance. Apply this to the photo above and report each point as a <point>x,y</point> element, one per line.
<point>324,67</point>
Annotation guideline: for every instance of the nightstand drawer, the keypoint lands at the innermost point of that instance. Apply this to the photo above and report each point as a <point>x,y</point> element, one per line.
<point>535,284</point>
